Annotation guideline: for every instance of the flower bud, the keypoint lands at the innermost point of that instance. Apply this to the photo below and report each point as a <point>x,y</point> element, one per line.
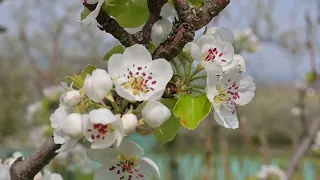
<point>72,126</point>
<point>129,122</point>
<point>155,113</point>
<point>72,98</point>
<point>97,85</point>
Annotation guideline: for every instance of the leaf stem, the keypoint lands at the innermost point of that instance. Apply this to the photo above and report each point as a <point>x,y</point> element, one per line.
<point>198,77</point>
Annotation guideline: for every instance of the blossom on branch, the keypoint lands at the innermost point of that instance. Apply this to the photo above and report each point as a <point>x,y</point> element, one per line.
<point>123,162</point>
<point>136,76</point>
<point>226,93</point>
<point>155,113</point>
<point>57,120</point>
<point>97,85</point>
<point>93,15</point>
<point>214,54</point>
<point>102,128</point>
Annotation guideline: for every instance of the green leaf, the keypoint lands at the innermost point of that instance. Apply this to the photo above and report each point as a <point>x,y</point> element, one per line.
<point>129,13</point>
<point>85,13</point>
<point>169,128</point>
<point>192,110</point>
<point>114,50</point>
<point>78,80</point>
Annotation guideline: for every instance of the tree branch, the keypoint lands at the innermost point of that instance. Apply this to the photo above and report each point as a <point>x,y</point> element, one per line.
<point>111,26</point>
<point>28,168</point>
<point>190,20</point>
<point>303,148</point>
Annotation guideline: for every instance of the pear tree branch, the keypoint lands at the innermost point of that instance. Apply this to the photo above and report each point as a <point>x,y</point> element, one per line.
<point>110,25</point>
<point>28,168</point>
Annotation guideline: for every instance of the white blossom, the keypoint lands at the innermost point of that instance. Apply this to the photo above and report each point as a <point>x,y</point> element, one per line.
<point>52,92</point>
<point>155,113</point>
<point>72,126</point>
<point>168,10</point>
<point>224,33</point>
<point>130,122</point>
<point>93,15</point>
<point>226,93</point>
<point>214,54</point>
<point>102,128</point>
<point>137,77</point>
<point>97,85</point>
<point>124,162</point>
<point>72,98</point>
<point>59,136</point>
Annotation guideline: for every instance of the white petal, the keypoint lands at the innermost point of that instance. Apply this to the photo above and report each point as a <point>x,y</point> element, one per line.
<point>213,68</point>
<point>240,62</point>
<point>103,155</point>
<point>161,71</point>
<point>93,15</point>
<point>118,128</point>
<point>211,88</point>
<point>147,165</point>
<point>101,116</point>
<point>206,39</point>
<point>155,113</point>
<point>97,85</point>
<point>102,82</point>
<point>168,10</point>
<point>116,65</point>
<point>67,146</point>
<point>59,137</point>
<point>194,50</point>
<point>224,33</point>
<point>127,94</point>
<point>108,141</point>
<point>129,149</point>
<point>137,55</point>
<point>156,95</point>
<point>104,173</point>
<point>225,117</point>
<point>72,126</point>
<point>160,30</point>
<point>246,89</point>
<point>130,122</point>
<point>59,115</point>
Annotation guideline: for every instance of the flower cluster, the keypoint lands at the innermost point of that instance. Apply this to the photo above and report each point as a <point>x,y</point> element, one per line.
<point>101,107</point>
<point>228,85</point>
<point>97,114</point>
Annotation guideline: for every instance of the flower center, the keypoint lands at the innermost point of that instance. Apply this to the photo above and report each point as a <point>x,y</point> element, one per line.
<point>214,55</point>
<point>99,131</point>
<point>138,80</point>
<point>126,169</point>
<point>228,95</point>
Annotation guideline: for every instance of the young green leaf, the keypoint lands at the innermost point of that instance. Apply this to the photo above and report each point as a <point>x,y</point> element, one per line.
<point>169,128</point>
<point>192,110</point>
<point>114,50</point>
<point>78,80</point>
<point>129,13</point>
<point>85,12</point>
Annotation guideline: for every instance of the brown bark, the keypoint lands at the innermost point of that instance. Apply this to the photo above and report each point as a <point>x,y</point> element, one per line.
<point>28,168</point>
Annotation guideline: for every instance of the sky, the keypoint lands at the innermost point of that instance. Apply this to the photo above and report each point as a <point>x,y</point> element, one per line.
<point>272,63</point>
